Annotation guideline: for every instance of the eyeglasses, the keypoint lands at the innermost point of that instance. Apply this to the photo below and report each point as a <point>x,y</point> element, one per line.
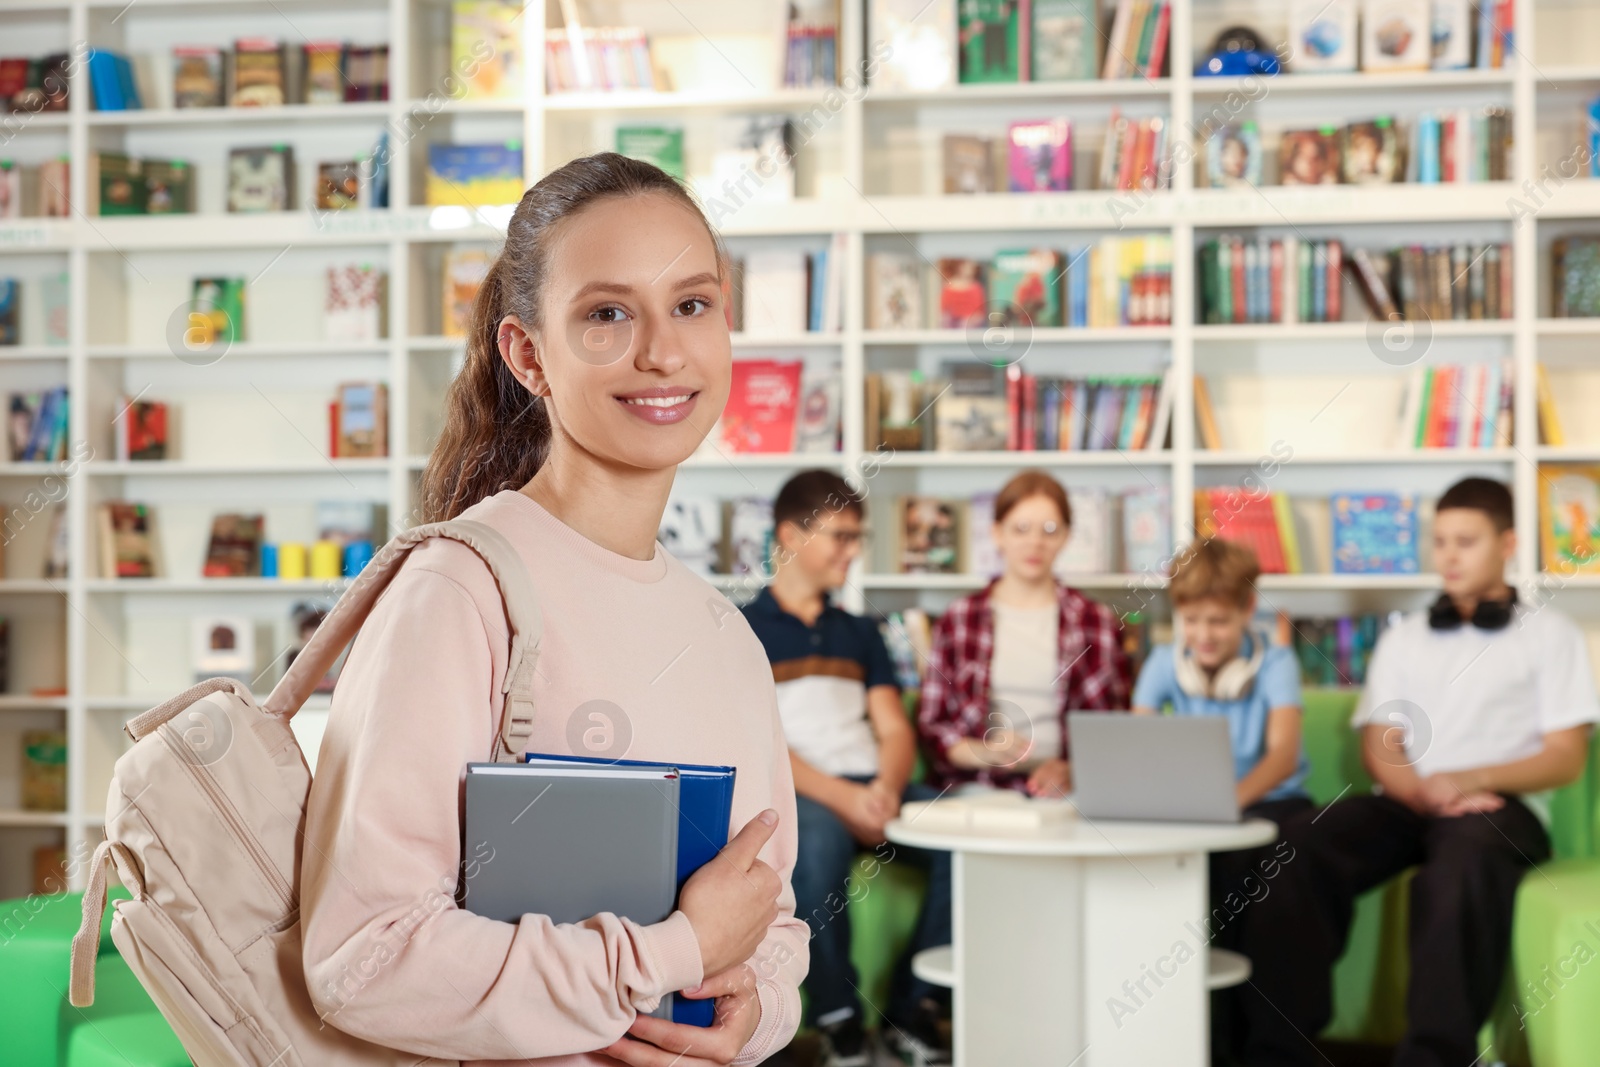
<point>847,538</point>
<point>1023,528</point>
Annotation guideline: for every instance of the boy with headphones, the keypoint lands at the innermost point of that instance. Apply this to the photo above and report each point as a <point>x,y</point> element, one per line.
<point>1219,665</point>
<point>1473,710</point>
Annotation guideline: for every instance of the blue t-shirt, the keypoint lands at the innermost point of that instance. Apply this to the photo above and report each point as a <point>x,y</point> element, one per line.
<point>1277,685</point>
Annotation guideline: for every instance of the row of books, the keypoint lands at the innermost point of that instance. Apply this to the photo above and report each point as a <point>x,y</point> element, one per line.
<point>1038,157</point>
<point>1371,533</point>
<point>601,58</point>
<point>42,191</point>
<point>1398,35</point>
<point>1117,281</point>
<point>261,178</point>
<point>997,40</point>
<point>811,55</point>
<point>1245,280</point>
<point>783,292</point>
<point>53,290</point>
<point>36,425</point>
<point>347,531</point>
<point>1460,145</point>
<point>1436,282</point>
<point>1452,405</point>
<point>254,72</point>
<point>1337,651</point>
<point>976,407</point>
<point>33,84</point>
<point>933,44</point>
<point>1575,276</point>
<point>1287,280</point>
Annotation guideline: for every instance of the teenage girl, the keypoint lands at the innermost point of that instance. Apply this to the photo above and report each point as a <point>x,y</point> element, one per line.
<point>597,360</point>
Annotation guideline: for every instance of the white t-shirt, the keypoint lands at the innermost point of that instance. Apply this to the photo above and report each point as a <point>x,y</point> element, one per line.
<point>1022,675</point>
<point>1467,698</point>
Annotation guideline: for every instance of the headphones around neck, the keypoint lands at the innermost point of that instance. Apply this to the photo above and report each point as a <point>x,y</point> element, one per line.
<point>1231,681</point>
<point>1488,615</point>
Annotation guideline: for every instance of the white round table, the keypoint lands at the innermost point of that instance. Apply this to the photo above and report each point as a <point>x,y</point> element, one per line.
<point>1084,943</point>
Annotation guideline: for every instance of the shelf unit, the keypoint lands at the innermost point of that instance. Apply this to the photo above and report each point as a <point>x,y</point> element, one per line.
<point>108,643</point>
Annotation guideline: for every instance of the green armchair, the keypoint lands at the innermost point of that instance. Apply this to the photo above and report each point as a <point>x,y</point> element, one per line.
<point>123,1028</point>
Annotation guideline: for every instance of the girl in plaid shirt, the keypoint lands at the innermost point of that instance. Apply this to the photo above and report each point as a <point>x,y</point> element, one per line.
<point>1008,662</point>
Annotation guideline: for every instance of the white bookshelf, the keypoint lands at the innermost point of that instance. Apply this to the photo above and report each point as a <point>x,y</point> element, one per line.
<point>252,427</point>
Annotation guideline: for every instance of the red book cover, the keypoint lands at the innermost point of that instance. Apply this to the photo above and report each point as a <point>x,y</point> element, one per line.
<point>1275,281</point>
<point>1444,385</point>
<point>762,405</point>
<point>1130,141</point>
<point>1237,279</point>
<point>1249,519</point>
<point>1145,158</point>
<point>333,429</point>
<point>1158,47</point>
<point>1030,413</point>
<point>1013,408</point>
<point>1141,423</point>
<point>1335,281</point>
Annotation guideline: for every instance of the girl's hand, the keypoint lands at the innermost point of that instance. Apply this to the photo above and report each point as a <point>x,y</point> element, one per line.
<point>1052,778</point>
<point>732,900</point>
<point>652,1042</point>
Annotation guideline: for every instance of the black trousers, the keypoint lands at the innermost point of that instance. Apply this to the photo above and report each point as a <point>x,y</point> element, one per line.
<point>1460,924</point>
<point>1240,880</point>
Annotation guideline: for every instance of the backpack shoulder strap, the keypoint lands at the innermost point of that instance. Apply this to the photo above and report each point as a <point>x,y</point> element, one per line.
<point>342,623</point>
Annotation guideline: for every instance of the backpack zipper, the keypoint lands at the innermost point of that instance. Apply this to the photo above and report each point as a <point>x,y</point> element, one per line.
<point>231,818</point>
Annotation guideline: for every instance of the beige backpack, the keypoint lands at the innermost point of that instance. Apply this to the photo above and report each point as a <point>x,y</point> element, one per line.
<point>204,821</point>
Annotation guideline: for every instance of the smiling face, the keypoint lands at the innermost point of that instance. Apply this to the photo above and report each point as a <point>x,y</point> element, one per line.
<point>633,354</point>
<point>1213,629</point>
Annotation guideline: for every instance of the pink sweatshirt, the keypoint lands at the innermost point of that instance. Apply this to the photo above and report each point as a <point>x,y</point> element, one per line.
<point>389,956</point>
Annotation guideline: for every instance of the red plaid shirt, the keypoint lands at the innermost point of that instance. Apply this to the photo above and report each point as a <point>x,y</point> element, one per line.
<point>1093,676</point>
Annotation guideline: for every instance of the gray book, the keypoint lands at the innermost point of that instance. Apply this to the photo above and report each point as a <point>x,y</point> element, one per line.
<point>571,842</point>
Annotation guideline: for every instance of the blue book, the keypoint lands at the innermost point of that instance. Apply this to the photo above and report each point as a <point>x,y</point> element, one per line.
<point>126,85</point>
<point>1428,164</point>
<point>104,82</point>
<point>705,808</point>
<point>1374,533</point>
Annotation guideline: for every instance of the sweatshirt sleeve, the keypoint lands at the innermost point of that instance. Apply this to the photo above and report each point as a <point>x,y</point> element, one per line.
<point>784,955</point>
<point>388,955</point>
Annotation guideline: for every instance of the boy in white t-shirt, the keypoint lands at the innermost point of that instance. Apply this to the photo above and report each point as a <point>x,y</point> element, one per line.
<point>852,749</point>
<point>1473,710</point>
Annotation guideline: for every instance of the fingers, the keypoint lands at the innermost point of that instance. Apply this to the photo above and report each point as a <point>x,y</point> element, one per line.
<point>680,1045</point>
<point>749,841</point>
<point>642,1054</point>
<point>725,983</point>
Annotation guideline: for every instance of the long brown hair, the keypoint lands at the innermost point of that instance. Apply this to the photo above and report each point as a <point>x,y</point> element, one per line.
<point>496,433</point>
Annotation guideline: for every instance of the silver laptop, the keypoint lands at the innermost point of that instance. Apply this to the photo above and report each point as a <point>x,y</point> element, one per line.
<point>1158,768</point>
